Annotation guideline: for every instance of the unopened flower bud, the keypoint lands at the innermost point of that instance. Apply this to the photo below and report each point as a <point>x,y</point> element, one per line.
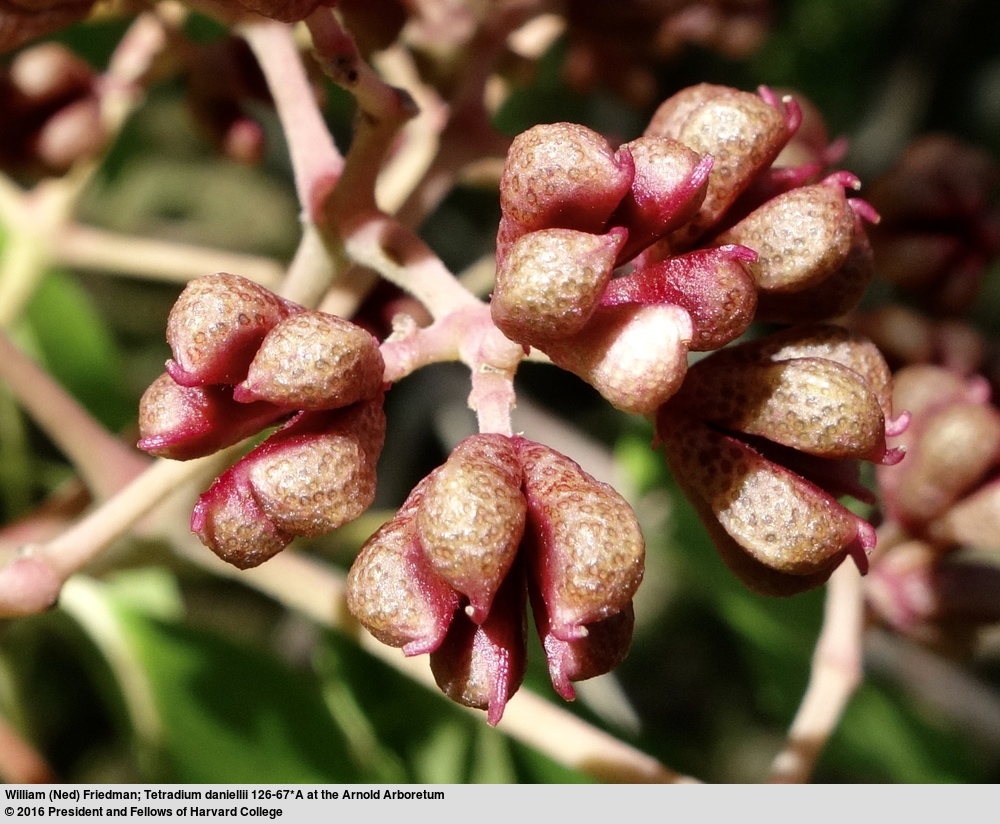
<point>602,649</point>
<point>73,133</point>
<point>831,298</point>
<point>711,285</point>
<point>560,175</point>
<point>585,548</point>
<point>669,186</point>
<point>550,281</point>
<point>472,518</point>
<point>811,404</point>
<point>801,237</point>
<point>230,522</point>
<point>314,360</point>
<point>741,131</point>
<point>392,589</point>
<point>184,422</point>
<point>216,326</point>
<point>481,665</point>
<point>765,435</point>
<point>781,520</point>
<point>313,475</point>
<point>49,71</point>
<point>950,450</point>
<point>973,521</point>
<point>635,356</point>
<point>318,472</point>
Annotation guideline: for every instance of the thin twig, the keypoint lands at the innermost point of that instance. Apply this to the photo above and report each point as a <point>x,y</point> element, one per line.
<point>835,675</point>
<point>316,161</point>
<point>103,461</point>
<point>87,247</point>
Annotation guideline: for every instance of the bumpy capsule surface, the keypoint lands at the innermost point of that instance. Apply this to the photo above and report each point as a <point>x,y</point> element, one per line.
<point>741,132</point>
<point>472,518</point>
<point>314,360</point>
<point>801,237</point>
<point>780,519</point>
<point>550,282</point>
<point>392,589</point>
<point>562,175</point>
<point>585,548</point>
<point>216,326</point>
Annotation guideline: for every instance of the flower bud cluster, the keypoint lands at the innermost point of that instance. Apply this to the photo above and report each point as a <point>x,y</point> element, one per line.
<point>625,44</point>
<point>224,83</point>
<point>502,523</point>
<point>940,225</point>
<point>245,359</point>
<point>944,498</point>
<point>764,436</point>
<point>715,236</point>
<point>50,110</point>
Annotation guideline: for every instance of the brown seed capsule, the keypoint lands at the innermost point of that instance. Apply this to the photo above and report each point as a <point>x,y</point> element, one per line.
<point>184,422</point>
<point>230,522</point>
<point>812,404</point>
<point>951,451</point>
<point>550,282</point>
<point>216,326</point>
<point>669,186</point>
<point>392,589</point>
<point>832,297</point>
<point>602,649</point>
<point>314,360</point>
<point>584,545</point>
<point>973,521</point>
<point>472,518</point>
<point>782,520</point>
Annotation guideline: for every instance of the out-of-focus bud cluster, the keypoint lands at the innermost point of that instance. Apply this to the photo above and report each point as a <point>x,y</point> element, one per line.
<point>224,82</point>
<point>245,359</point>
<point>24,20</point>
<point>940,224</point>
<point>50,111</point>
<point>502,523</point>
<point>623,44</point>
<point>942,579</point>
<point>907,337</point>
<point>763,438</point>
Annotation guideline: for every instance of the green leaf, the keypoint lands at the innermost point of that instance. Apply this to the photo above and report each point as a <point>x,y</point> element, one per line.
<point>220,711</point>
<point>434,740</point>
<point>884,738</point>
<point>76,347</point>
<point>233,714</point>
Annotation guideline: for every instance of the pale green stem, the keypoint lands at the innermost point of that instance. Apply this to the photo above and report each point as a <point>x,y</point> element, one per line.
<point>315,159</point>
<point>85,247</point>
<point>103,461</point>
<point>22,265</point>
<point>835,675</point>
